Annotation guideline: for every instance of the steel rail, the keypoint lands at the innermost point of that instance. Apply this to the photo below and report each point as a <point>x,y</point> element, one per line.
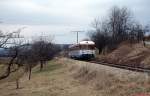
<point>122,66</point>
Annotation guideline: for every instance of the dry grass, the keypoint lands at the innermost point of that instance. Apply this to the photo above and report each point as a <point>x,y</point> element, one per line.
<point>54,80</point>
<point>65,77</point>
<point>108,83</point>
<point>4,60</point>
<point>136,54</point>
<point>148,45</point>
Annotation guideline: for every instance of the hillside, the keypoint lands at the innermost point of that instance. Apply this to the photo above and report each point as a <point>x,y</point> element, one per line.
<point>134,55</point>
<point>65,77</point>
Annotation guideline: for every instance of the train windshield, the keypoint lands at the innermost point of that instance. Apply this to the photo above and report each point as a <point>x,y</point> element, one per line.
<point>89,47</point>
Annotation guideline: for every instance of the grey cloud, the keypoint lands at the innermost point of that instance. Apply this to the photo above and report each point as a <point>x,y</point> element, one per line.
<point>65,14</point>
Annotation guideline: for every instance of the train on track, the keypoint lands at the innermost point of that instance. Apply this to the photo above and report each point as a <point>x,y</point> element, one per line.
<point>82,50</point>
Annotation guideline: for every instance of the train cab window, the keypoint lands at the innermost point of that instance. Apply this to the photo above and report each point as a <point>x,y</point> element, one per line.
<point>92,47</point>
<point>84,47</point>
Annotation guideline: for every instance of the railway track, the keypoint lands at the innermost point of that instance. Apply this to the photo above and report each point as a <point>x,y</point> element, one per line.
<point>121,66</point>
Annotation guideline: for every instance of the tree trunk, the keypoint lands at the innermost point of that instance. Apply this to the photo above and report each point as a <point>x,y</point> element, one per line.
<point>17,83</point>
<point>41,67</point>
<point>99,51</point>
<point>30,70</point>
<point>144,42</point>
<point>8,69</point>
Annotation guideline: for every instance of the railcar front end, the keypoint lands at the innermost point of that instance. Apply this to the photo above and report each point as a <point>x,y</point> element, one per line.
<point>82,50</point>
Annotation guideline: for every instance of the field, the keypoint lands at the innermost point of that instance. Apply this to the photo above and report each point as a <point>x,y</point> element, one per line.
<point>65,77</point>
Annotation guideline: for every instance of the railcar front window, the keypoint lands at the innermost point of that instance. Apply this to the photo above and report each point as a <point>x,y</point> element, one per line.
<point>88,47</point>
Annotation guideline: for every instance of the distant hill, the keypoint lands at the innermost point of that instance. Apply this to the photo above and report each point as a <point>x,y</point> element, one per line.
<point>64,46</point>
<point>4,52</point>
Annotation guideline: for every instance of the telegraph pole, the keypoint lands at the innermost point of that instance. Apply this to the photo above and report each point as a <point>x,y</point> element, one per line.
<point>77,34</point>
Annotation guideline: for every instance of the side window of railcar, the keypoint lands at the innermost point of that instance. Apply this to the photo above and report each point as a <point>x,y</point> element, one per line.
<point>84,47</point>
<point>71,49</point>
<point>75,48</point>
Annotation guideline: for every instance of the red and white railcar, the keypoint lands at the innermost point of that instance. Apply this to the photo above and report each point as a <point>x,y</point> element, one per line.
<point>82,50</point>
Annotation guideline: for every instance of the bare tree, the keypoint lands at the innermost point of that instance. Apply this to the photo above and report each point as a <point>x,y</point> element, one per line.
<point>11,39</point>
<point>13,51</point>
<point>119,24</point>
<point>39,52</point>
<point>44,51</point>
<point>118,27</point>
<point>100,34</point>
<point>26,55</point>
<point>26,58</point>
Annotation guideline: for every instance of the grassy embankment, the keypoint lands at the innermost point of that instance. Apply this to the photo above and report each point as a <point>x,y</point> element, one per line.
<point>65,77</point>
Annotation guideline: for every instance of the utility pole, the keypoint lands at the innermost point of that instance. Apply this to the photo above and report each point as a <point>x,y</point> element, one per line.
<point>77,34</point>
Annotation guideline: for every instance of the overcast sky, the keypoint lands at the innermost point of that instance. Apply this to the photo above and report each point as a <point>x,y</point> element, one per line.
<point>59,17</point>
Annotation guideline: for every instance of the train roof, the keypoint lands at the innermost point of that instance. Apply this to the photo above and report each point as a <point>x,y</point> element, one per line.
<point>87,42</point>
<point>83,43</point>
